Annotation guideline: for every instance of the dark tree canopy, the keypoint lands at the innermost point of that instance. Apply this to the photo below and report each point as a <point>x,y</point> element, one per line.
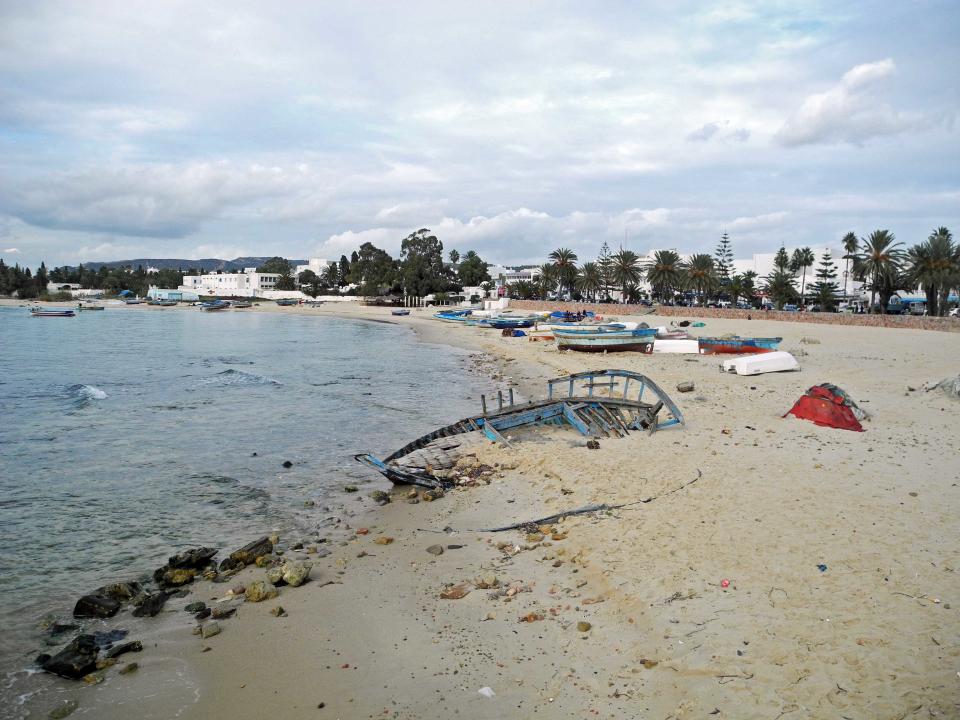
<point>473,270</point>
<point>421,264</point>
<point>275,265</point>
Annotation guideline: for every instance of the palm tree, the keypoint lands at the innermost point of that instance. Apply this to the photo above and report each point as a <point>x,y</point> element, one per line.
<point>565,259</point>
<point>547,280</point>
<point>749,285</point>
<point>850,246</point>
<point>523,290</point>
<point>454,257</point>
<point>701,275</point>
<point>879,259</point>
<point>801,260</point>
<point>664,273</point>
<point>735,287</point>
<point>590,281</point>
<point>934,265</point>
<point>626,270</point>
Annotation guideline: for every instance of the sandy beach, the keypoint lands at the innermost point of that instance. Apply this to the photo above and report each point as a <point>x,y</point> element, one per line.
<point>706,601</point>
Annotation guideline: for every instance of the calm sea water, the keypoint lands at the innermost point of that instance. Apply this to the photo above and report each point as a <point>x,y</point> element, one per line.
<point>126,435</point>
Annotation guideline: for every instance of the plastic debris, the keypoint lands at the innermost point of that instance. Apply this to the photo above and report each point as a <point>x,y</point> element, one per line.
<point>724,583</point>
<point>821,567</point>
<point>487,692</point>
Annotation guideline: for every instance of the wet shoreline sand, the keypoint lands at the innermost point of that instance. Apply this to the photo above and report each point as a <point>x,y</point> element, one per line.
<point>874,635</point>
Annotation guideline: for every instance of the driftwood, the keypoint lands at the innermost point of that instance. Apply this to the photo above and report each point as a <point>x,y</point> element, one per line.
<point>588,509</point>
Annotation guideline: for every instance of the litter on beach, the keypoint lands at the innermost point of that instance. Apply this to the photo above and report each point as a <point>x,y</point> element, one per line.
<point>829,406</point>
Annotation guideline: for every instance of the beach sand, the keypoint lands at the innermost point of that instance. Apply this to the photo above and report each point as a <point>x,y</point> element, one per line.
<point>874,635</point>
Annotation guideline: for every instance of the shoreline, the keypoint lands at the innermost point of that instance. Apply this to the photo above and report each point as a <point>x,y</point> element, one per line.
<point>776,498</point>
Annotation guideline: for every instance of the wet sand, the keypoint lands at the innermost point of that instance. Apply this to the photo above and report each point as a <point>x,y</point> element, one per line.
<point>874,635</point>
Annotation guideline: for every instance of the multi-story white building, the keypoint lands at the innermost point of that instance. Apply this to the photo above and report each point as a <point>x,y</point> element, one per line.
<point>249,283</point>
<point>318,265</point>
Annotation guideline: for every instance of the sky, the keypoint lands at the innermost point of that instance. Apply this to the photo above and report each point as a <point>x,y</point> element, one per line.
<point>224,129</point>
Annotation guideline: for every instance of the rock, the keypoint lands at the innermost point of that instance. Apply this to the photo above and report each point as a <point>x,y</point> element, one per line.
<point>486,582</point>
<point>350,488</point>
<point>296,573</point>
<point>193,559</point>
<point>222,613</point>
<point>129,668</point>
<point>118,650</point>
<point>287,464</point>
<point>263,561</point>
<point>274,538</point>
<point>151,605</point>
<point>380,497</point>
<point>412,493</point>
<point>196,607</point>
<point>593,445</point>
<point>59,628</point>
<point>210,629</point>
<point>383,540</point>
<point>178,577</point>
<point>454,547</point>
<point>278,611</point>
<point>583,626</point>
<point>275,575</point>
<point>76,660</point>
<point>534,537</point>
<point>106,638</point>
<point>435,549</point>
<point>809,341</point>
<point>685,387</point>
<point>260,590</point>
<point>203,614</point>
<point>247,554</point>
<point>455,592</point>
<point>431,495</point>
<point>309,503</point>
<point>104,663</point>
<point>62,711</point>
<point>413,501</point>
<point>93,678</point>
<point>121,592</point>
<point>649,664</point>
<point>96,606</point>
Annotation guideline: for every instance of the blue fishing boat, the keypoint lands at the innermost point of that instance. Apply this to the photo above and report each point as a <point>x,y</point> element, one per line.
<point>600,403</point>
<point>457,316</point>
<point>51,312</point>
<point>607,338</point>
<point>287,302</point>
<point>509,323</point>
<point>401,312</point>
<point>735,344</point>
<point>214,305</point>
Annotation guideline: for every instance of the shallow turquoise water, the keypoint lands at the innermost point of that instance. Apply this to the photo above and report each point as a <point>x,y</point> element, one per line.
<point>126,435</point>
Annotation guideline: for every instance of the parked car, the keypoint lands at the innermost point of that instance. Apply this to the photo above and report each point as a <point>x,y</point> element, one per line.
<point>790,307</point>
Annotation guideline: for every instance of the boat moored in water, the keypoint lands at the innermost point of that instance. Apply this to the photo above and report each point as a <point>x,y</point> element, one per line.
<point>214,305</point>
<point>82,307</point>
<point>400,312</point>
<point>51,312</point>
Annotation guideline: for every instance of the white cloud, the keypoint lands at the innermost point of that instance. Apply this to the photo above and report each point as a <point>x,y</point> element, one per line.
<point>853,111</point>
<point>704,133</point>
<point>12,251</point>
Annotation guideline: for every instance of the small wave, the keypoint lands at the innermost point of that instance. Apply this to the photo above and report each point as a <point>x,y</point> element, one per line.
<point>233,360</point>
<point>83,395</point>
<point>238,377</point>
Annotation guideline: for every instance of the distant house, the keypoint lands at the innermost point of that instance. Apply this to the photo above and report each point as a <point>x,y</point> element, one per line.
<point>155,293</point>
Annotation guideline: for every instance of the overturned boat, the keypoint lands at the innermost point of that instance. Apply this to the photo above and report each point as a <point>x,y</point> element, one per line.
<point>599,403</point>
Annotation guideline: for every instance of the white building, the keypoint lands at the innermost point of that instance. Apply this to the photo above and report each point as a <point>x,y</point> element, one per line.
<point>318,265</point>
<point>249,283</point>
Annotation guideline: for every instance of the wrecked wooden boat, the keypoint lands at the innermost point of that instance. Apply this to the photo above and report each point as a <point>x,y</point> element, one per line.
<point>599,403</point>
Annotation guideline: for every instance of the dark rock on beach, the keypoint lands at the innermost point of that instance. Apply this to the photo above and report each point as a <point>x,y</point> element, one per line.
<point>96,606</point>
<point>193,559</point>
<point>106,638</point>
<point>248,554</point>
<point>152,604</point>
<point>196,607</point>
<point>117,651</point>
<point>121,591</point>
<point>59,628</point>
<point>77,659</point>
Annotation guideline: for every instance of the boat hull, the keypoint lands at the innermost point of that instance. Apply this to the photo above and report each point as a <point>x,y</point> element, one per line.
<point>743,346</point>
<point>52,313</point>
<point>588,343</point>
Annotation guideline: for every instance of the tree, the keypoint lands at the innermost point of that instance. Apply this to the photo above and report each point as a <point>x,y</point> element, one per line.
<point>275,266</point>
<point>421,264</point>
<point>331,276</point>
<point>472,271</point>
<point>850,246</point>
<point>801,260</point>
<point>749,283</point>
<point>781,283</point>
<point>454,256</point>
<point>734,288</point>
<point>879,262</point>
<point>605,268</point>
<point>664,273</point>
<point>523,290</point>
<point>285,280</point>
<point>626,270</point>
<point>565,261</point>
<point>590,281</point>
<point>825,289</point>
<point>343,273</point>
<point>309,279</point>
<point>723,259</point>
<point>373,270</point>
<point>546,281</point>
<point>934,265</point>
<point>41,279</point>
<point>700,275</point>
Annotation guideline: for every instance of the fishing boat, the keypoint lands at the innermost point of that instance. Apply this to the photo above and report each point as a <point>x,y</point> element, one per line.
<point>214,305</point>
<point>133,301</point>
<point>510,323</point>
<point>736,345</point>
<point>677,346</point>
<point>600,403</point>
<point>588,328</point>
<point>606,339</point>
<point>162,303</point>
<point>457,316</point>
<point>81,306</point>
<point>400,312</point>
<point>768,362</point>
<point>51,312</point>
<point>242,304</point>
<point>287,302</point>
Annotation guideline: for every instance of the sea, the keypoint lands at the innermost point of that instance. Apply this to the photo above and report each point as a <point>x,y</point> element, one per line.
<point>130,434</point>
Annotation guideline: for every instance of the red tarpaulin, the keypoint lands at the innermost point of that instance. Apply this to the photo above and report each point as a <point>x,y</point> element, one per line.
<point>829,406</point>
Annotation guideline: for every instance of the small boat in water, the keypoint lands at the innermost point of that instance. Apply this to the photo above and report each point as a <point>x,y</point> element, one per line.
<point>600,403</point>
<point>608,338</point>
<point>51,312</point>
<point>736,345</point>
<point>133,301</point>
<point>400,312</point>
<point>82,307</point>
<point>214,305</point>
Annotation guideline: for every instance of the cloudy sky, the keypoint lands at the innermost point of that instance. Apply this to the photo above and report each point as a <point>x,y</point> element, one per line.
<point>185,129</point>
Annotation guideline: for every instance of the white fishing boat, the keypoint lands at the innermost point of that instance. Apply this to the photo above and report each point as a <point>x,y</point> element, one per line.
<point>769,362</point>
<point>679,346</point>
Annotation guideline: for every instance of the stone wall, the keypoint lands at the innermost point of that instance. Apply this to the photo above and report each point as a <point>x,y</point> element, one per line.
<point>894,321</point>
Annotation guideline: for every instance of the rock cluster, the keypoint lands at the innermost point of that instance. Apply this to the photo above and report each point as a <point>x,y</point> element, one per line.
<point>248,554</point>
